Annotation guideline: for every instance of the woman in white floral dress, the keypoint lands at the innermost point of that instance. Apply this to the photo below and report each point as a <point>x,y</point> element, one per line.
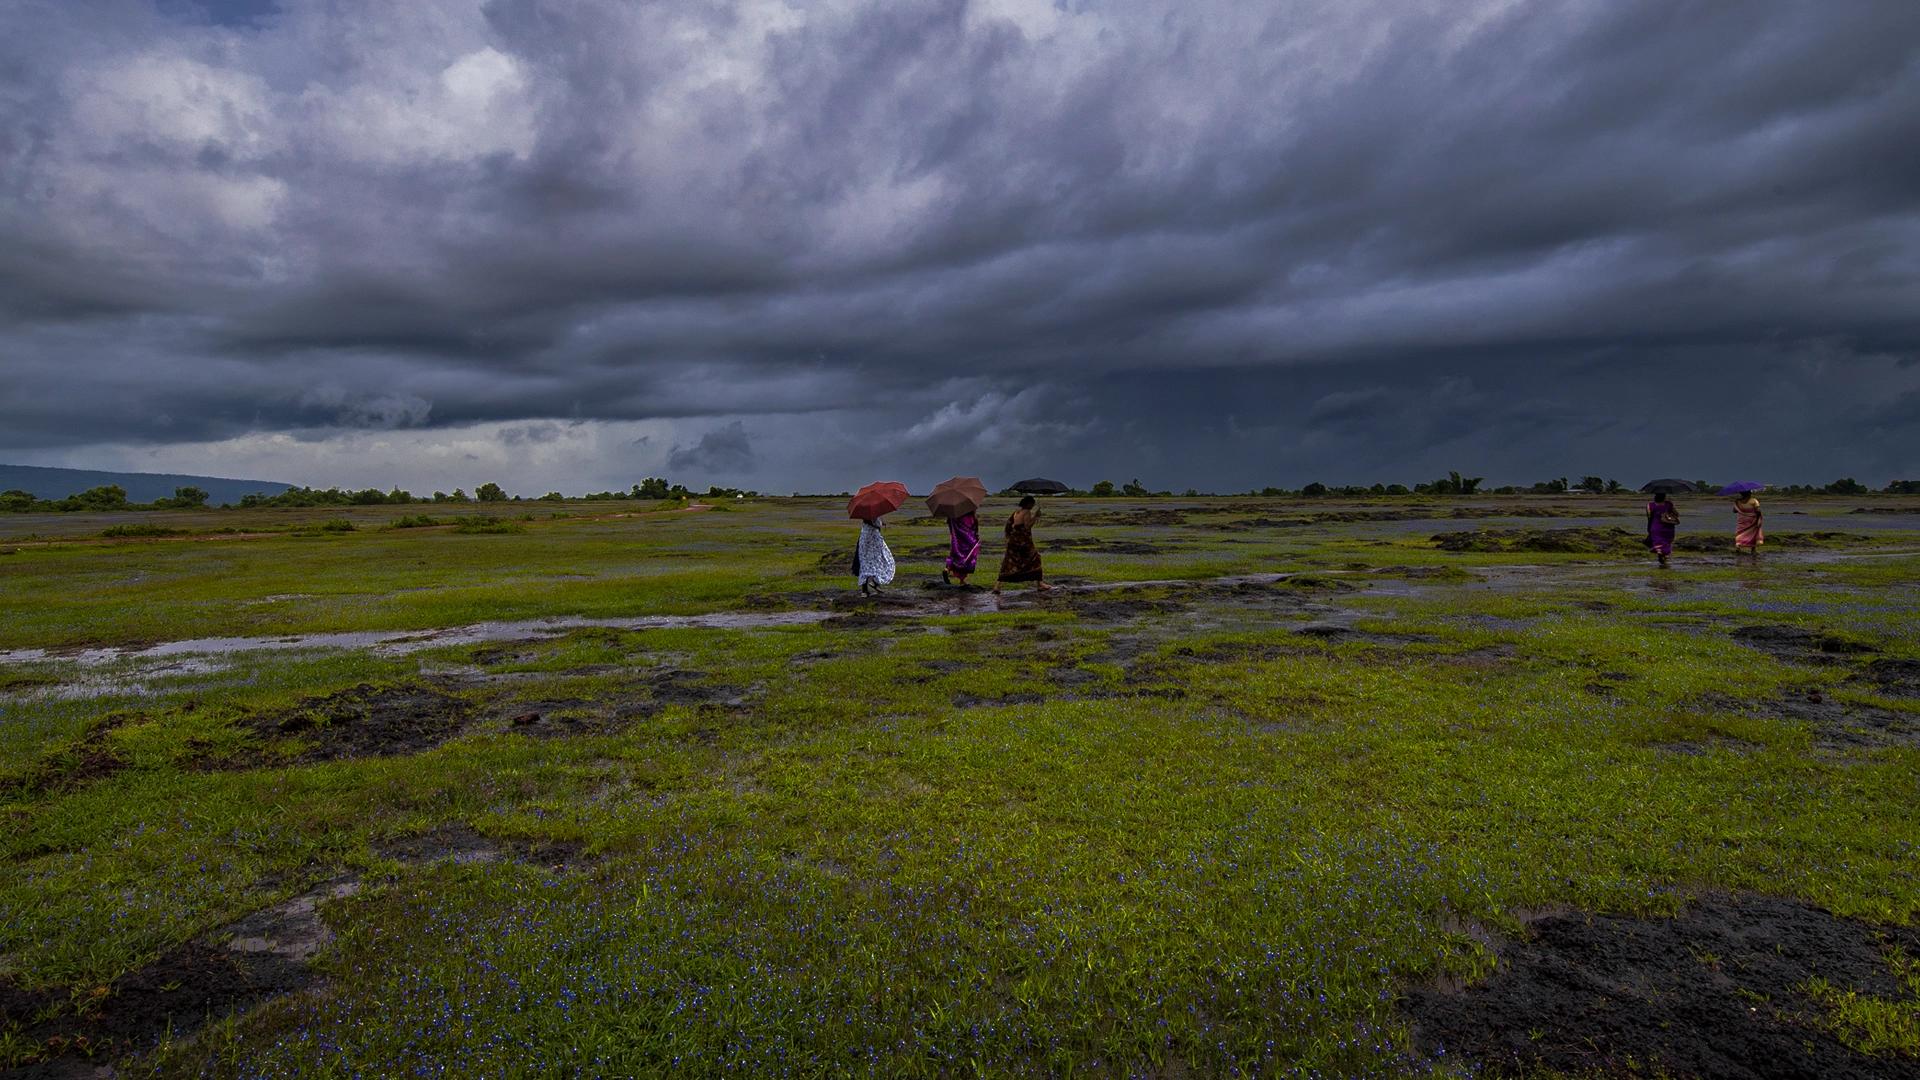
<point>873,562</point>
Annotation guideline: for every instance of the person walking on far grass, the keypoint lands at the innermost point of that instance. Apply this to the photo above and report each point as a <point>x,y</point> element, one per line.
<point>963,548</point>
<point>1747,533</point>
<point>872,559</point>
<point>1663,523</point>
<point>1022,560</point>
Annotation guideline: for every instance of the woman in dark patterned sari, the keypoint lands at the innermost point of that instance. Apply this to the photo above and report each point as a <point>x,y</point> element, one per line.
<point>1022,560</point>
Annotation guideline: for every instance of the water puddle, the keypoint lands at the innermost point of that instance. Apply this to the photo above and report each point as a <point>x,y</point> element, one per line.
<point>403,642</point>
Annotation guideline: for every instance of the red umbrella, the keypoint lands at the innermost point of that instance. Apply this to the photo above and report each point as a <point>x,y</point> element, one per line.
<point>957,497</point>
<point>883,497</point>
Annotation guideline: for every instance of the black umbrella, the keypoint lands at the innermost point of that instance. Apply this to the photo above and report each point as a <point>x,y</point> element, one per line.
<point>1037,486</point>
<point>1667,487</point>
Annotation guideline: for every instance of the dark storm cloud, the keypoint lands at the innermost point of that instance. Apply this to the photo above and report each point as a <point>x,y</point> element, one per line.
<point>726,451</point>
<point>1439,230</point>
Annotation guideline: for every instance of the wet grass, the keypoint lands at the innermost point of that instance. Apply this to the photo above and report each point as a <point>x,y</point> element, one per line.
<point>1154,830</point>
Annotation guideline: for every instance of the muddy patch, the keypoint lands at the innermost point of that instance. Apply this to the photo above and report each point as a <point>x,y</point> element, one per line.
<point>292,930</point>
<point>1253,524</point>
<point>1717,992</point>
<point>1334,633</point>
<point>965,700</point>
<point>641,700</point>
<point>461,845</point>
<point>1893,678</point>
<point>1836,724</point>
<point>1587,541</point>
<point>1093,607</point>
<point>86,760</point>
<point>1098,546</point>
<point>1136,518</point>
<point>366,721</point>
<point>177,994</point>
<point>1788,541</point>
<point>1799,643</point>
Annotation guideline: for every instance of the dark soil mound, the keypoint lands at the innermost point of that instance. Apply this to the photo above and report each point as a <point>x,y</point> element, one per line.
<point>1719,992</point>
<point>1799,643</point>
<point>367,721</point>
<point>1586,541</point>
<point>178,993</point>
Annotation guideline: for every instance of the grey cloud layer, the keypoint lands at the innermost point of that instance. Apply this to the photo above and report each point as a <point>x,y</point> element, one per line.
<point>366,215</point>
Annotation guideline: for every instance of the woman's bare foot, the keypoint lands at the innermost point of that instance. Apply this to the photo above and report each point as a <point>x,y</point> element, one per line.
<point>1044,587</point>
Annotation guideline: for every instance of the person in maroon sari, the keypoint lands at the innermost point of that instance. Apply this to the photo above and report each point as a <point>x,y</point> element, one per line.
<point>1022,560</point>
<point>963,549</point>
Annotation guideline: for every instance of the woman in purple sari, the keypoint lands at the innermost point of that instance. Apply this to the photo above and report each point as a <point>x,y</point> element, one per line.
<point>1663,521</point>
<point>963,549</point>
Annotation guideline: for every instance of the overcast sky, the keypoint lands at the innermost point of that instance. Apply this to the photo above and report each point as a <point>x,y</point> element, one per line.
<point>806,245</point>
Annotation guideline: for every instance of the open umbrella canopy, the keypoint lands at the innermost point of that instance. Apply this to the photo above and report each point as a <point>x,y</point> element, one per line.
<point>957,497</point>
<point>1741,487</point>
<point>1038,486</point>
<point>876,499</point>
<point>1668,487</point>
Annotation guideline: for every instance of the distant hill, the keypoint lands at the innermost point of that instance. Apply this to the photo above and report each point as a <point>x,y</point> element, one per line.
<point>141,487</point>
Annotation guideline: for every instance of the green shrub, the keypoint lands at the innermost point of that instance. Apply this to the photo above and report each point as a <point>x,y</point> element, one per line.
<point>488,525</point>
<point>141,530</point>
<point>417,521</point>
<point>330,525</point>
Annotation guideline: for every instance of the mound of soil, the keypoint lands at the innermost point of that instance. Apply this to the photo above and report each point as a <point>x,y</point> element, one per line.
<point>1718,992</point>
<point>366,721</point>
<point>179,992</point>
<point>1798,643</point>
<point>1585,541</point>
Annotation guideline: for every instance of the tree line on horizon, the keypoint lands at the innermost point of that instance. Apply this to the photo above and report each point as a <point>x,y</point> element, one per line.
<point>110,497</point>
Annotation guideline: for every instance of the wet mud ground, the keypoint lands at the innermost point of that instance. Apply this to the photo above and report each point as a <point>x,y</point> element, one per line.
<point>1493,798</point>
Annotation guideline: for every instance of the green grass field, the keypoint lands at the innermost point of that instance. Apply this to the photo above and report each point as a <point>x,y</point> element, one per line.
<point>1267,788</point>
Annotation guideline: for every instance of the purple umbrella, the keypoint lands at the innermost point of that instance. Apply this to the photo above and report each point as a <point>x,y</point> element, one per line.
<point>1742,488</point>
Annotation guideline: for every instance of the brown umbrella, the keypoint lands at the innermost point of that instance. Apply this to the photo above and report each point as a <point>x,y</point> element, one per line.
<point>957,497</point>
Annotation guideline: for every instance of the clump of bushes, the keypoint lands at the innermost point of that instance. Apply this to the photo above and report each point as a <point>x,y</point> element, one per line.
<point>417,521</point>
<point>141,530</point>
<point>475,525</point>
<point>330,525</point>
